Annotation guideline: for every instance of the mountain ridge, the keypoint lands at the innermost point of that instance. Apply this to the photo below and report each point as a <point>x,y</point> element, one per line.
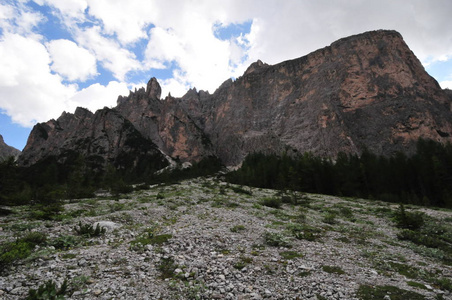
<point>367,91</point>
<point>7,151</point>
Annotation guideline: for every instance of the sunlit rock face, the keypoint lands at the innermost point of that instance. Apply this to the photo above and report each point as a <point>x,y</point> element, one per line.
<point>364,91</point>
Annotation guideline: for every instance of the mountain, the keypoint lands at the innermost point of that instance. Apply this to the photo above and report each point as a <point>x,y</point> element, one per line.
<point>7,151</point>
<point>364,91</point>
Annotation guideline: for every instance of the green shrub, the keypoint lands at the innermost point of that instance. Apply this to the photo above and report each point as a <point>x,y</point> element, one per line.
<point>48,291</point>
<point>89,231</point>
<point>290,254</point>
<point>276,239</point>
<point>241,190</point>
<point>271,202</point>
<point>329,218</point>
<point>149,237</point>
<point>304,232</point>
<point>64,242</point>
<point>408,220</point>
<point>49,211</point>
<point>333,269</point>
<point>368,292</point>
<point>237,228</point>
<point>21,248</point>
<point>167,268</point>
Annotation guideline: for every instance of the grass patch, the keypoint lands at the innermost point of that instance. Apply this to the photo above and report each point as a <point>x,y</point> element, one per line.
<point>333,270</point>
<point>276,239</point>
<point>304,232</point>
<point>368,292</point>
<point>21,248</point>
<point>272,202</point>
<point>237,228</point>
<point>290,254</point>
<point>417,285</point>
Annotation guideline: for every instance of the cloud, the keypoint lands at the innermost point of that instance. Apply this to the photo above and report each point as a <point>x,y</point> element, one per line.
<point>447,84</point>
<point>113,57</point>
<point>15,17</point>
<point>28,90</point>
<point>97,96</point>
<point>71,61</point>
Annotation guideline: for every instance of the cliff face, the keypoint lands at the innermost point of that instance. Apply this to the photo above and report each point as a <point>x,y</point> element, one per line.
<point>103,137</point>
<point>367,90</point>
<point>7,151</point>
<point>364,91</point>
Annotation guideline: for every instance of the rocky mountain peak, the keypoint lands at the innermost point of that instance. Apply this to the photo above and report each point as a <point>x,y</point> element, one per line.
<point>7,151</point>
<point>153,89</point>
<point>367,91</point>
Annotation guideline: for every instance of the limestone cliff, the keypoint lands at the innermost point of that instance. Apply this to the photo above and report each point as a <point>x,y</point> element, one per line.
<point>364,91</point>
<point>102,137</point>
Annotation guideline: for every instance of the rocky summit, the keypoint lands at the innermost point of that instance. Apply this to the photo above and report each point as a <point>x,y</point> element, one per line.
<point>7,151</point>
<point>364,91</point>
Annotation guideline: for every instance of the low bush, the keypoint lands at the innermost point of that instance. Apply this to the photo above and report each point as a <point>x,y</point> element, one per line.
<point>408,220</point>
<point>88,230</point>
<point>276,239</point>
<point>368,292</point>
<point>48,291</point>
<point>21,248</point>
<point>271,202</point>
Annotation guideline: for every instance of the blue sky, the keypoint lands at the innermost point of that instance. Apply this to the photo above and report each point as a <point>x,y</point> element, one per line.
<point>56,55</point>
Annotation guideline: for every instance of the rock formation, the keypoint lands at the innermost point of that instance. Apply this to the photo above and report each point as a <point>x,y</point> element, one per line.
<point>7,151</point>
<point>103,137</point>
<point>365,91</point>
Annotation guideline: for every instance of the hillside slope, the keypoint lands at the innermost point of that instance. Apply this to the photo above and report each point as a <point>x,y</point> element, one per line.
<point>206,239</point>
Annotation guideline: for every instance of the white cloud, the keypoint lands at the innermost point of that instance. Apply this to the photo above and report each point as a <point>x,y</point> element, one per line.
<point>447,84</point>
<point>118,60</point>
<point>17,18</point>
<point>97,96</point>
<point>71,61</point>
<point>28,91</point>
<point>126,19</point>
<point>70,10</point>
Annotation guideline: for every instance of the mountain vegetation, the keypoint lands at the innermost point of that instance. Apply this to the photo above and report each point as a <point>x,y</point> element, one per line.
<point>424,178</point>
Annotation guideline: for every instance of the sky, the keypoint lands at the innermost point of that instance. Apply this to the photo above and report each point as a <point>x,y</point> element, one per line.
<point>56,55</point>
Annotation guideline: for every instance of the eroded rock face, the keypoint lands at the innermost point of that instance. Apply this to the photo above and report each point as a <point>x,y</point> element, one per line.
<point>103,137</point>
<point>365,91</point>
<point>7,151</point>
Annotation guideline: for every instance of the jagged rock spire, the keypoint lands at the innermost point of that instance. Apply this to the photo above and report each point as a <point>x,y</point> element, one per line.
<point>153,89</point>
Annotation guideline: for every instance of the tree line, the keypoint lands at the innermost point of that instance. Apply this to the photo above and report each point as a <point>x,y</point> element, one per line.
<point>424,178</point>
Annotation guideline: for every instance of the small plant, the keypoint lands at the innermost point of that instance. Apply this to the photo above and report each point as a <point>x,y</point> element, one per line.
<point>333,270</point>
<point>149,237</point>
<point>64,242</point>
<point>368,292</point>
<point>408,220</point>
<point>241,190</point>
<point>21,248</point>
<point>88,230</point>
<point>290,254</point>
<point>243,262</point>
<point>237,228</point>
<point>329,218</point>
<point>276,239</point>
<point>48,291</point>
<point>272,202</point>
<point>304,232</point>
<point>167,268</point>
<point>416,285</point>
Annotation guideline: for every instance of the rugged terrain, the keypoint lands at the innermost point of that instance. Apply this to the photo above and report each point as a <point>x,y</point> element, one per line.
<point>206,239</point>
<point>364,91</point>
<point>7,151</point>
